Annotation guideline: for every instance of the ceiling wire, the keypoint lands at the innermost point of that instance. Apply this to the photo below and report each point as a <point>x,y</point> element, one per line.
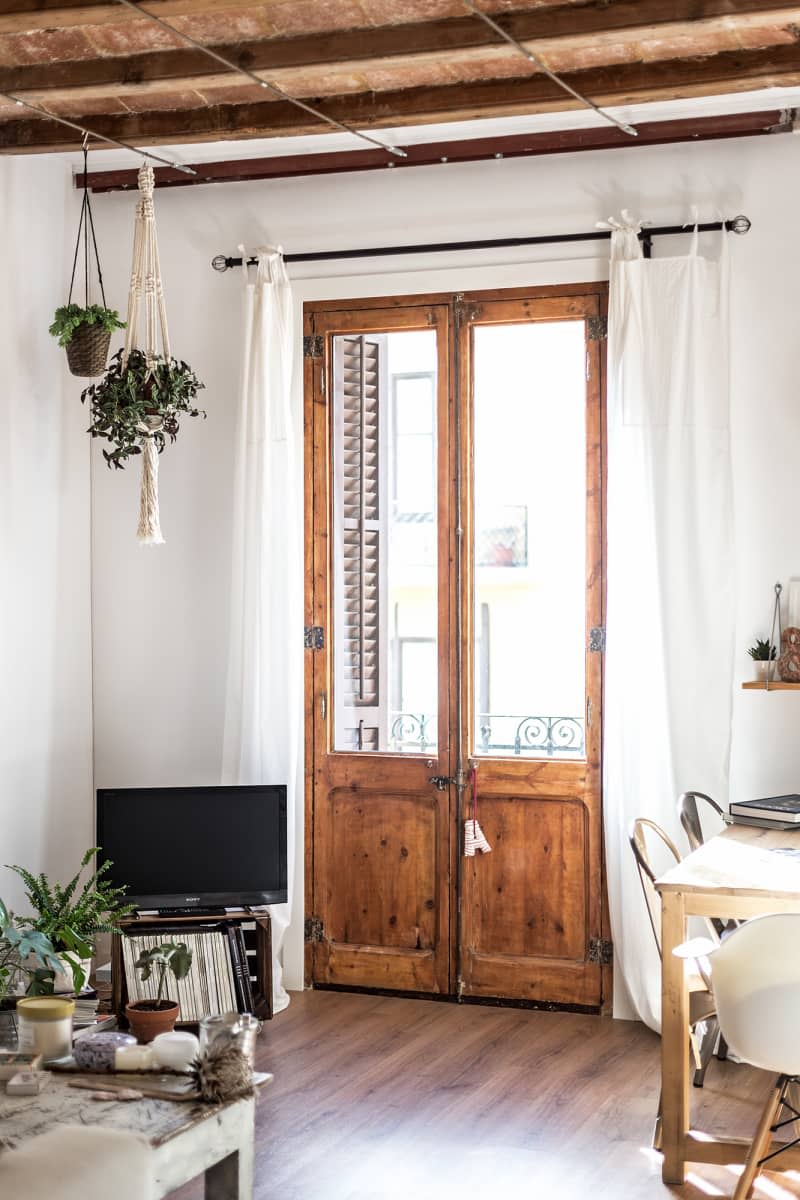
<point>540,65</point>
<point>43,112</point>
<point>264,83</point>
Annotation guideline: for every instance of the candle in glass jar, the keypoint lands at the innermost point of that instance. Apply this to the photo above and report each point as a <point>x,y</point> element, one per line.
<point>45,1026</point>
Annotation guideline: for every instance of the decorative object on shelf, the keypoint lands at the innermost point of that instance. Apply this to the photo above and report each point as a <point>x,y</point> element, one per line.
<point>70,919</point>
<point>138,403</point>
<point>789,661</point>
<point>24,953</point>
<point>474,838</point>
<point>232,1029</point>
<point>86,330</point>
<point>148,1018</point>
<point>763,654</point>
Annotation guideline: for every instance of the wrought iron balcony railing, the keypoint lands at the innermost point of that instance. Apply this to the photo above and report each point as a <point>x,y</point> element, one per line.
<point>497,733</point>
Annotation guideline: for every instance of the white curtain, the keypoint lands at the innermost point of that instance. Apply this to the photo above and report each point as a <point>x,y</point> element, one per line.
<point>263,715</point>
<point>670,610</point>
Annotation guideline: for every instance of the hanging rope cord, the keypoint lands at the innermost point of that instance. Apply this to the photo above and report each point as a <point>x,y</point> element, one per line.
<point>146,282</point>
<point>85,227</point>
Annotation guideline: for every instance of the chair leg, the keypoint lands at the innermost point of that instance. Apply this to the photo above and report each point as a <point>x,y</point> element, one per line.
<point>656,1142</point>
<point>761,1140</point>
<point>706,1052</point>
<point>722,1049</point>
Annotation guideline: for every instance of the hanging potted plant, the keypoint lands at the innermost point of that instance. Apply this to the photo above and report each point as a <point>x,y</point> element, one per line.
<point>136,400</point>
<point>86,335</point>
<point>85,330</point>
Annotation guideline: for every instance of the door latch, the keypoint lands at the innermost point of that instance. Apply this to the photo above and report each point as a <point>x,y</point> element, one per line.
<point>441,782</point>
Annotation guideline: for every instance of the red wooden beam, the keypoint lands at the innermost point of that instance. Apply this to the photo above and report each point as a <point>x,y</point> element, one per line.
<point>558,141</point>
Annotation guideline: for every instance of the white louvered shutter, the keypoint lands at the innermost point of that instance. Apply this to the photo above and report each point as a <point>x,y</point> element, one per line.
<point>361,413</point>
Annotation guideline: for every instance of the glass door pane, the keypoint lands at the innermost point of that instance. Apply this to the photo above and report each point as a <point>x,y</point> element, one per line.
<point>530,539</point>
<point>385,542</point>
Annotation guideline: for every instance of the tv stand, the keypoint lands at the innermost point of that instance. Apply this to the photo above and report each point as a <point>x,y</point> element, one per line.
<point>191,912</point>
<point>257,930</point>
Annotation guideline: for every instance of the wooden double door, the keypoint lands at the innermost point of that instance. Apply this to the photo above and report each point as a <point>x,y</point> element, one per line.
<point>454,614</point>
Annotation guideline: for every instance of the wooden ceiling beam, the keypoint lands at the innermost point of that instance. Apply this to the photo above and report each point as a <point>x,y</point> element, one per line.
<point>26,16</point>
<point>426,154</point>
<point>632,83</point>
<point>559,28</point>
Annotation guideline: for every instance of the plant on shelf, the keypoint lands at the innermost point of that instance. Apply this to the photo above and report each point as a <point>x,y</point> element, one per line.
<point>138,399</point>
<point>147,1018</point>
<point>763,654</point>
<point>24,954</point>
<point>70,918</point>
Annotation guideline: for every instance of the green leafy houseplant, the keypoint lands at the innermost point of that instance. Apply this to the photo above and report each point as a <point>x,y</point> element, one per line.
<point>23,952</point>
<point>70,918</point>
<point>762,651</point>
<point>136,400</point>
<point>70,317</point>
<point>148,1018</point>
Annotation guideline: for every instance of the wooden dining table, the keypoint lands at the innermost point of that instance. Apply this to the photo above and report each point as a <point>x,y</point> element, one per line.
<point>736,874</point>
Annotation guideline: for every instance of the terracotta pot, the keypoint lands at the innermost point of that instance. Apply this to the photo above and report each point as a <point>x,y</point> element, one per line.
<point>147,1022</point>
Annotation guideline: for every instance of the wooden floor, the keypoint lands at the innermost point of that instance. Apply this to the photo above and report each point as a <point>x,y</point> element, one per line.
<point>397,1099</point>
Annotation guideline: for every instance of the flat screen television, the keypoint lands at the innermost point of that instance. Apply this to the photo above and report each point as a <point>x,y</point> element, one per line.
<point>187,848</point>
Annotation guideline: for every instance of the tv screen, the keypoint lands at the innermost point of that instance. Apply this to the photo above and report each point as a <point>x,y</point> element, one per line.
<point>195,847</point>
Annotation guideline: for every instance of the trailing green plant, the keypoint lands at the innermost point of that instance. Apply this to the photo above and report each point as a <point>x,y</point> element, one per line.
<point>23,952</point>
<point>70,918</point>
<point>762,651</point>
<point>69,318</point>
<point>137,400</point>
<point>175,957</point>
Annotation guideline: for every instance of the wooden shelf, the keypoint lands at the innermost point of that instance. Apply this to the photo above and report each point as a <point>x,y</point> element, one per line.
<point>777,686</point>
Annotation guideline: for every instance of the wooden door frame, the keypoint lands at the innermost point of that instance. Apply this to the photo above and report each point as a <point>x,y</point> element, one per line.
<point>316,483</point>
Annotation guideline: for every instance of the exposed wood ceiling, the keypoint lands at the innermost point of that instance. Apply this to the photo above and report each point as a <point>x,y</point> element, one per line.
<point>370,63</point>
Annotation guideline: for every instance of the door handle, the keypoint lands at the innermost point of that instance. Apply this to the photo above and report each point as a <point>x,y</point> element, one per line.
<point>441,782</point>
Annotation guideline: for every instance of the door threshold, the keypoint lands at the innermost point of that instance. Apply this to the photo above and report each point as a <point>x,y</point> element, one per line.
<point>587,1010</point>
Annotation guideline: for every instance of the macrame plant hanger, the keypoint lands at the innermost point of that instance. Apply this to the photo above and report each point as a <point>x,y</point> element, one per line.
<point>146,281</point>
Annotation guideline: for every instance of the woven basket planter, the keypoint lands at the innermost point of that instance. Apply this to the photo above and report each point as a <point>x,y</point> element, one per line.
<point>87,350</point>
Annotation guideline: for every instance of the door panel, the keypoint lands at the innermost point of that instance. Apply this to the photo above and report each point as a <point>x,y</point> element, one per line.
<point>382,542</point>
<point>531,909</point>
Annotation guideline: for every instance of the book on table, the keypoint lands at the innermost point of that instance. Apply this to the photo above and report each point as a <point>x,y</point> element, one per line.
<point>784,809</point>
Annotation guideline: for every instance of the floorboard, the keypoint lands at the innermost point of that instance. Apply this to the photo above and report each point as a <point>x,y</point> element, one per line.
<point>381,1098</point>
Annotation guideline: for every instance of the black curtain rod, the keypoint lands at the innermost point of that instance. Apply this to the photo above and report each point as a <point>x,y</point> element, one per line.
<point>739,225</point>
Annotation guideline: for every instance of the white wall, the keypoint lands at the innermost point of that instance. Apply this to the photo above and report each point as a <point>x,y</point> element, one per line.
<point>45,641</point>
<point>161,614</point>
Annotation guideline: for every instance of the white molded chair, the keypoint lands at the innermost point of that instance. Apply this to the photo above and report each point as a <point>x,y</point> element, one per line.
<point>756,977</point>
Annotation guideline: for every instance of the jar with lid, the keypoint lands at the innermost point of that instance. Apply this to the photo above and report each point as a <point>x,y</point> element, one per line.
<point>45,1026</point>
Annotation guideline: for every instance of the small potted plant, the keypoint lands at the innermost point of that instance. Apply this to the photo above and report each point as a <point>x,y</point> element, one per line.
<point>70,918</point>
<point>141,399</point>
<point>23,954</point>
<point>148,1018</point>
<point>763,654</point>
<point>86,334</point>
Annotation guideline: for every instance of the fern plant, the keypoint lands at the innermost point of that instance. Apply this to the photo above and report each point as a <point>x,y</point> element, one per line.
<point>69,318</point>
<point>70,918</point>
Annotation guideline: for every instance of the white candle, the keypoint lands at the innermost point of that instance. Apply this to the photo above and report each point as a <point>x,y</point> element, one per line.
<point>133,1058</point>
<point>175,1050</point>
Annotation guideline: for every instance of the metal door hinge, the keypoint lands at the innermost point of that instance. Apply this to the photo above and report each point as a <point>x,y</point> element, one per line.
<point>313,930</point>
<point>313,637</point>
<point>597,639</point>
<point>313,344</point>
<point>600,951</point>
<point>597,329</point>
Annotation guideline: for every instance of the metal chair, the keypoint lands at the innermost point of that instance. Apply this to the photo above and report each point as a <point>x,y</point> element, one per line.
<point>756,979</point>
<point>701,1001</point>
<point>690,816</point>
